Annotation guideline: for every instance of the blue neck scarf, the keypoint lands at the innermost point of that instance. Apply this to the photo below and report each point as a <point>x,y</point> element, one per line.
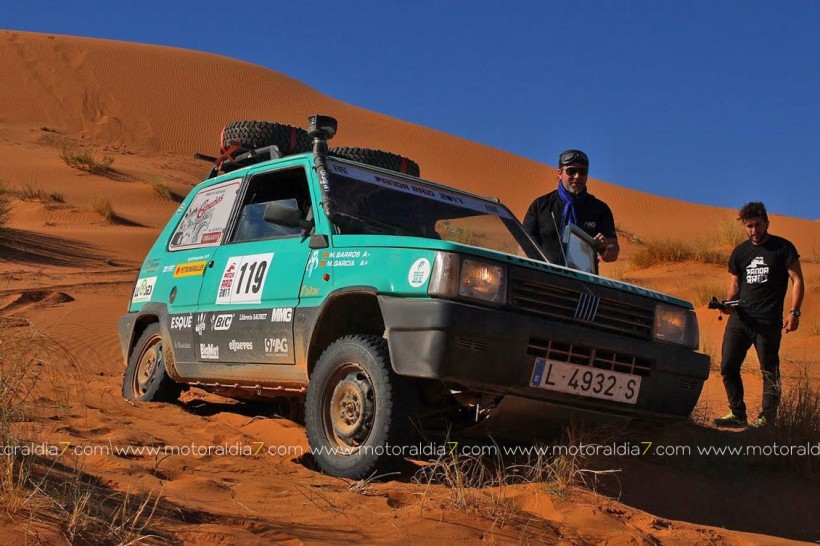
<point>570,200</point>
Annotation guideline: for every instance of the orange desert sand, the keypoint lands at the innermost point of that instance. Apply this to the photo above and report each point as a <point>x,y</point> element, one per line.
<point>70,273</point>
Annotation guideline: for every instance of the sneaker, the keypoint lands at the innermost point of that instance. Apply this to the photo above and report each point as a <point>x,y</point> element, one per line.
<point>760,422</point>
<point>730,420</point>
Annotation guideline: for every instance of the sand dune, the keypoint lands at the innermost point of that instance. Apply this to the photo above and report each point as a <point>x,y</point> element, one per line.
<point>70,272</point>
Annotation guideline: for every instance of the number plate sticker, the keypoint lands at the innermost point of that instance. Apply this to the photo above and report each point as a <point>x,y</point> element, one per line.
<point>244,279</point>
<point>585,381</point>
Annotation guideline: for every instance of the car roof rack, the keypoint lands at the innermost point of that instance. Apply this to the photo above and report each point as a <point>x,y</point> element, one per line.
<point>236,157</point>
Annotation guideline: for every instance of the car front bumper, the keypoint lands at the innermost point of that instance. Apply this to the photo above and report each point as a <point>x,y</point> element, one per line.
<point>495,351</point>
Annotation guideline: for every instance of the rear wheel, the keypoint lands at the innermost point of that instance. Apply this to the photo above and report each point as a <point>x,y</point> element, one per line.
<point>145,377</point>
<point>357,411</point>
<point>378,158</point>
<point>258,134</point>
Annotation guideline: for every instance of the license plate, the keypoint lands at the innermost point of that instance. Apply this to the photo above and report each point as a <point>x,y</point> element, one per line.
<point>585,381</point>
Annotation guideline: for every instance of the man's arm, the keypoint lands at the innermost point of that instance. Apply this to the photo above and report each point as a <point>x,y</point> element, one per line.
<point>607,239</point>
<point>796,275</point>
<point>732,293</point>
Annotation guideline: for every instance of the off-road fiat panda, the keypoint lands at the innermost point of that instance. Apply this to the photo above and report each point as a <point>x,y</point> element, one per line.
<point>340,278</point>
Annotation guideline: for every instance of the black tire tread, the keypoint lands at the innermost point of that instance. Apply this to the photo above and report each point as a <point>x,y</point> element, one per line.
<point>258,134</point>
<point>378,158</point>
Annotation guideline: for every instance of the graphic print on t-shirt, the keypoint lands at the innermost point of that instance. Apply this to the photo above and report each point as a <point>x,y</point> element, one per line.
<point>757,272</point>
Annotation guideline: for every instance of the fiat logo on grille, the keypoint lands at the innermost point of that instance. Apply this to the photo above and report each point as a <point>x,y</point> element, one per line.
<point>587,307</point>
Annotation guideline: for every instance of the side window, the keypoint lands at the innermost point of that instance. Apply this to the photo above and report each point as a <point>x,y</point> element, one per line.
<point>287,187</point>
<point>203,224</point>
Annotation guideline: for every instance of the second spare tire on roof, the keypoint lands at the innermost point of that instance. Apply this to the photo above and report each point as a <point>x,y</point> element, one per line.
<point>258,134</point>
<point>378,158</point>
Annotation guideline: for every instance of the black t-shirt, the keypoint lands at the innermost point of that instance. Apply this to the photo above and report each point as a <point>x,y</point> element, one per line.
<point>544,216</point>
<point>764,277</point>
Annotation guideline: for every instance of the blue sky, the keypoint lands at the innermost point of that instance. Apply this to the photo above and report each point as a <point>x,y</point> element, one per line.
<point>716,102</point>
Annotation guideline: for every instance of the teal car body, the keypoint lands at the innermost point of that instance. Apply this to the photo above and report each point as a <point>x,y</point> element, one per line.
<point>245,304</point>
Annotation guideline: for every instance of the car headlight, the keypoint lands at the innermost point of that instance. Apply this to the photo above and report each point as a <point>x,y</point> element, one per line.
<point>676,325</point>
<point>453,277</point>
<point>482,281</point>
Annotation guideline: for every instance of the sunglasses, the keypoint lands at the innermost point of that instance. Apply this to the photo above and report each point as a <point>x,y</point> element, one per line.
<point>572,171</point>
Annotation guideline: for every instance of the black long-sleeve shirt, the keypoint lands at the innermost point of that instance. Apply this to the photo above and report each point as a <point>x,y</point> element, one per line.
<point>543,219</point>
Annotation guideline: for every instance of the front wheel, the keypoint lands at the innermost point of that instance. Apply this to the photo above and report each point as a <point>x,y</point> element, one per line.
<point>145,377</point>
<point>357,411</point>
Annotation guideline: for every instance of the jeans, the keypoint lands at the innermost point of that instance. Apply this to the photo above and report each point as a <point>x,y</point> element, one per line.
<point>737,338</point>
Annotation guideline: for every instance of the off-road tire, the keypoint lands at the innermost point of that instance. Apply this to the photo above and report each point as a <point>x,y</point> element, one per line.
<point>355,401</point>
<point>258,134</point>
<point>145,377</point>
<point>378,158</point>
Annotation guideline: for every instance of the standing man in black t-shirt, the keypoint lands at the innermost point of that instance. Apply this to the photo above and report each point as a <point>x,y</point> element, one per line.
<point>761,268</point>
<point>571,203</point>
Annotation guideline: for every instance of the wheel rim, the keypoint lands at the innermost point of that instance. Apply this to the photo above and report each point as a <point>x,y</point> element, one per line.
<point>348,408</point>
<point>150,358</point>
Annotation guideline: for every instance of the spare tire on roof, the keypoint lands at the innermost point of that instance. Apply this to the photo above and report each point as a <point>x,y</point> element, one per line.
<point>378,158</point>
<point>258,134</point>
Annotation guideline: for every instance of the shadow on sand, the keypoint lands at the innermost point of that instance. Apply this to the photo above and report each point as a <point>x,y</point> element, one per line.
<point>38,249</point>
<point>751,493</point>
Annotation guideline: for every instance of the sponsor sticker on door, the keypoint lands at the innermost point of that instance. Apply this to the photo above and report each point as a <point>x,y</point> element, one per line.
<point>144,290</point>
<point>419,272</point>
<point>190,270</point>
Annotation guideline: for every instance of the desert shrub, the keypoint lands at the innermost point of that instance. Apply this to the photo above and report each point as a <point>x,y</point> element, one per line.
<point>661,251</point>
<point>798,420</point>
<point>626,234</point>
<point>84,512</point>
<point>102,206</point>
<point>85,161</point>
<point>33,193</point>
<point>710,347</point>
<point>4,204</point>
<point>706,253</point>
<point>655,252</point>
<point>704,292</point>
<point>162,189</point>
<point>485,480</point>
<point>731,233</point>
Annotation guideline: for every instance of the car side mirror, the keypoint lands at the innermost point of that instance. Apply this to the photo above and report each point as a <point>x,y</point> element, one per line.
<point>285,214</point>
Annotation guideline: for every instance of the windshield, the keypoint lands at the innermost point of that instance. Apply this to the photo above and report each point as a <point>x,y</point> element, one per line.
<point>368,202</point>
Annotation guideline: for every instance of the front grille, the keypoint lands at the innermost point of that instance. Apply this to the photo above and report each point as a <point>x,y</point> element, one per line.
<point>690,384</point>
<point>589,356</point>
<point>471,344</point>
<point>565,303</point>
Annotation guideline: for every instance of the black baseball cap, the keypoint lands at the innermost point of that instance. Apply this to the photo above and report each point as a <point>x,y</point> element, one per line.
<point>569,157</point>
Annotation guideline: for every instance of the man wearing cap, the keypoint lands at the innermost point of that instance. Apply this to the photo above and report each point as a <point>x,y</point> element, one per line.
<point>570,203</point>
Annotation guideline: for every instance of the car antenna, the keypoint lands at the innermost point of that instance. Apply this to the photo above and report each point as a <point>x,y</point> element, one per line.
<point>560,238</point>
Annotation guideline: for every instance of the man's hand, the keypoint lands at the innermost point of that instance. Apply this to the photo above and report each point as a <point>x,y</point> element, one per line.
<point>608,249</point>
<point>791,323</point>
<point>600,242</point>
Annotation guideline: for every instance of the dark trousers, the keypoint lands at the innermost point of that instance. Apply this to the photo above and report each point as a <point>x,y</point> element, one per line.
<point>737,338</point>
